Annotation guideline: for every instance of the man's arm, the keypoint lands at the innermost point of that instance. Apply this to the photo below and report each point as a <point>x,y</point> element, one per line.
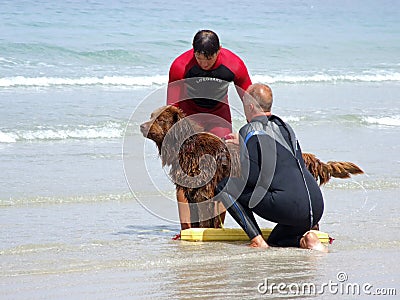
<point>249,157</point>
<point>174,90</point>
<point>299,154</point>
<point>254,161</point>
<point>183,210</point>
<point>176,78</point>
<point>242,79</point>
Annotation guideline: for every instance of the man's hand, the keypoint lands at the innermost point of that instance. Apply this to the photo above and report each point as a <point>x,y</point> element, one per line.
<point>232,138</point>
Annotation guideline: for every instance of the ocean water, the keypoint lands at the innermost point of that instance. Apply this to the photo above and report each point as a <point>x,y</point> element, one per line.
<point>74,75</point>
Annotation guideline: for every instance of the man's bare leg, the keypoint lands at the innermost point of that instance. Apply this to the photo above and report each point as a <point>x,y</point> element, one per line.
<point>183,209</point>
<point>311,241</point>
<point>220,213</point>
<point>258,242</point>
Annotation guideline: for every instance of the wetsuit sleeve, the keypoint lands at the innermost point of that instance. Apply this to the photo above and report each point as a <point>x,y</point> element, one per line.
<point>254,161</point>
<point>175,86</point>
<point>299,155</point>
<point>250,156</point>
<point>242,79</point>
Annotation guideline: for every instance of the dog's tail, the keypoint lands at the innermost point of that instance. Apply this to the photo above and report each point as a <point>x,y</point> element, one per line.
<point>322,172</point>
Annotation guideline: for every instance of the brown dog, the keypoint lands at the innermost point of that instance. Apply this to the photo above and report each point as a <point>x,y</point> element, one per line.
<point>198,161</point>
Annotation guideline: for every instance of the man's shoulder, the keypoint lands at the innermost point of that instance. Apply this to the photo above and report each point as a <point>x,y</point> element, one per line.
<point>250,127</point>
<point>228,55</point>
<point>278,121</point>
<point>180,64</point>
<point>236,65</point>
<point>183,59</point>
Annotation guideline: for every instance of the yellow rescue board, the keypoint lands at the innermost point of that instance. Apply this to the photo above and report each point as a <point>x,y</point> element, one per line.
<point>231,234</point>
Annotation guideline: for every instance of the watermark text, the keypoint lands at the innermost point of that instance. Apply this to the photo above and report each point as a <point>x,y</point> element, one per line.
<point>340,286</point>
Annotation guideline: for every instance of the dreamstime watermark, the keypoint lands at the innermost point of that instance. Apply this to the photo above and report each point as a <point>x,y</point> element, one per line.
<point>340,286</point>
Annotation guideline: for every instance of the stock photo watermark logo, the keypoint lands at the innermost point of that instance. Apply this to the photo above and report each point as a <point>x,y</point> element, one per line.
<point>340,286</point>
<point>174,135</point>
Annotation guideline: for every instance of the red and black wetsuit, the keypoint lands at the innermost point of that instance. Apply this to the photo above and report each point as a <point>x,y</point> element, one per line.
<point>203,94</point>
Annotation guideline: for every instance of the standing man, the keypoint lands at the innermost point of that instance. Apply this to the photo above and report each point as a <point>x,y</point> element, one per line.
<point>198,84</point>
<point>199,80</point>
<point>275,183</point>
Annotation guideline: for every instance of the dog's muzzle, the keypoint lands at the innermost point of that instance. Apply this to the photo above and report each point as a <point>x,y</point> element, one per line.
<point>144,129</point>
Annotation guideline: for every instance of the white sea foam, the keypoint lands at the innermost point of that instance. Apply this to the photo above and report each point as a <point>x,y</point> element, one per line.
<point>291,119</point>
<point>5,60</point>
<point>21,81</point>
<point>316,78</point>
<point>7,137</point>
<point>106,80</point>
<point>107,131</point>
<point>384,121</point>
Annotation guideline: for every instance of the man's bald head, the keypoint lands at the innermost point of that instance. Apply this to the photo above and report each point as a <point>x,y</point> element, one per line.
<point>261,96</point>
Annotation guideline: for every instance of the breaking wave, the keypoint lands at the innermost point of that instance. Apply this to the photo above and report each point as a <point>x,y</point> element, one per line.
<point>108,130</point>
<point>156,80</point>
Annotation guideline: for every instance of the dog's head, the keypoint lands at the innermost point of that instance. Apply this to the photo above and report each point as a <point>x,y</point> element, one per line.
<point>168,128</point>
<point>161,121</point>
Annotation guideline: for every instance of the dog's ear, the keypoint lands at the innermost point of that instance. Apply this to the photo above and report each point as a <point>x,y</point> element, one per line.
<point>177,114</point>
<point>176,135</point>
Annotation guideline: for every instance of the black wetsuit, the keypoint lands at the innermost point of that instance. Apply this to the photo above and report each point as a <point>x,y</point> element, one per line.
<point>275,184</point>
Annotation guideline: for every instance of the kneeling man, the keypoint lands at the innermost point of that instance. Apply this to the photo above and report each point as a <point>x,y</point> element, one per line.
<point>274,184</point>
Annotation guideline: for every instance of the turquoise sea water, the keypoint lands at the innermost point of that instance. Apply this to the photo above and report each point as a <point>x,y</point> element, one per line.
<point>73,73</point>
<point>285,40</point>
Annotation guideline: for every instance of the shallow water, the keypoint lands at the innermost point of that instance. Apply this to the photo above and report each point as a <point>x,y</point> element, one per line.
<point>116,249</point>
<point>70,227</point>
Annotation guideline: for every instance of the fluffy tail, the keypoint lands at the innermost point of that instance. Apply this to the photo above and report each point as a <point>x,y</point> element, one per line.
<point>322,172</point>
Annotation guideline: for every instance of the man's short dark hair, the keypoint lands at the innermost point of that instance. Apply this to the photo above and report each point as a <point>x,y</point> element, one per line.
<point>206,42</point>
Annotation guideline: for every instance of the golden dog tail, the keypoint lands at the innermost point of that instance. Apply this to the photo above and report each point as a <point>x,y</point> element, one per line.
<point>322,172</point>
